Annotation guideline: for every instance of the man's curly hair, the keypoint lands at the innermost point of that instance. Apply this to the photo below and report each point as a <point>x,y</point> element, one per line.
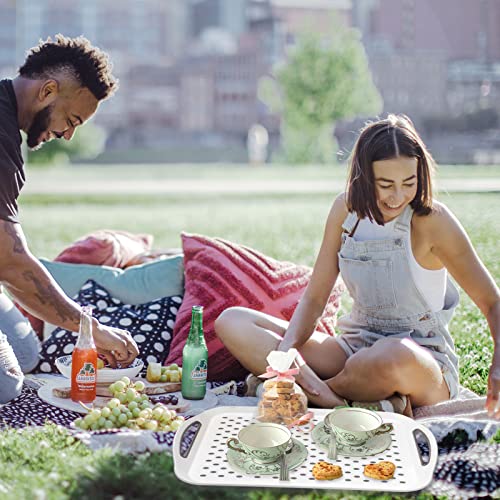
<point>87,64</point>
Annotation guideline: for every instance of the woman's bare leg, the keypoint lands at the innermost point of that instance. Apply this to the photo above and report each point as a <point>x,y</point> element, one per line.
<point>390,366</point>
<point>251,335</point>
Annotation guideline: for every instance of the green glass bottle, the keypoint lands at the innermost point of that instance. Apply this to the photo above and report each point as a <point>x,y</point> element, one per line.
<point>195,359</point>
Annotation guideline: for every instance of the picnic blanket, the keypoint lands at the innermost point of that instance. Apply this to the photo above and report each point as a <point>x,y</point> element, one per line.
<point>468,466</point>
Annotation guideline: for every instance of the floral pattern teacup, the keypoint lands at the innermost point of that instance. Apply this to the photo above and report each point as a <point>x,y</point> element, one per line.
<point>263,442</point>
<point>355,426</point>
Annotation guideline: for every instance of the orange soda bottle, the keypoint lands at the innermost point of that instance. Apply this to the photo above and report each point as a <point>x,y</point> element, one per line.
<point>84,361</point>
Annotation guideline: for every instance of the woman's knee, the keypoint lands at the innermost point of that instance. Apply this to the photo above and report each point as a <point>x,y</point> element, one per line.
<point>398,358</point>
<point>385,358</point>
<point>231,320</point>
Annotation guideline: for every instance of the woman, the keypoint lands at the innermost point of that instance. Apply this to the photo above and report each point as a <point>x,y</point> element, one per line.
<point>393,245</point>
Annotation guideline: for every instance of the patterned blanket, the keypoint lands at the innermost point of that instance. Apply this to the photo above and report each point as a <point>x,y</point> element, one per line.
<point>466,468</point>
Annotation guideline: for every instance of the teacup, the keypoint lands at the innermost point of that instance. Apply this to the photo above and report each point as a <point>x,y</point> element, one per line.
<point>355,426</point>
<point>263,442</point>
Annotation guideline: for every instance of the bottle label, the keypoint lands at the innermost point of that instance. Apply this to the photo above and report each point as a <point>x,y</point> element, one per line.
<point>86,375</point>
<point>199,372</point>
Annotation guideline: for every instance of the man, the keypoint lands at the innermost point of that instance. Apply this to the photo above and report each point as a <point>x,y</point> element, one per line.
<point>59,87</point>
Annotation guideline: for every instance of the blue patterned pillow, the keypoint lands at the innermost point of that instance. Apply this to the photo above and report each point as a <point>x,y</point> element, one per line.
<point>150,324</point>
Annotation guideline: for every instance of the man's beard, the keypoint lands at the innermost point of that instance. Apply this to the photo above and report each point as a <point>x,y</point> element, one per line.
<point>39,125</point>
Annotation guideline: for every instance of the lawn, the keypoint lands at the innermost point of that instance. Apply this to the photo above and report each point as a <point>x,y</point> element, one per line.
<point>285,226</point>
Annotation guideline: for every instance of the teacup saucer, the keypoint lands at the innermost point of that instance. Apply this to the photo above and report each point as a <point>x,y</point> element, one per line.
<point>375,445</point>
<point>242,463</point>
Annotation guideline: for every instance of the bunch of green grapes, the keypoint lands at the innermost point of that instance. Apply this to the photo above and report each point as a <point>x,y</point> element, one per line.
<point>129,408</point>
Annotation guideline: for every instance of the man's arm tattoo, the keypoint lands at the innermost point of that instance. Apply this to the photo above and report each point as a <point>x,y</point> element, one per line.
<point>48,296</point>
<point>18,245</point>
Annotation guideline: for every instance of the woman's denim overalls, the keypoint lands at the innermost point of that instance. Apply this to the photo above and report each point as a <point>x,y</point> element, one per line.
<point>386,301</point>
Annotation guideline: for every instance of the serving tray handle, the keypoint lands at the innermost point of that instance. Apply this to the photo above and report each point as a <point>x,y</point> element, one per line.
<point>431,441</point>
<point>188,437</point>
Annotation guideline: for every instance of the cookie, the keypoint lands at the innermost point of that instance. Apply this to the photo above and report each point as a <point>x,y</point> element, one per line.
<point>269,415</point>
<point>281,406</point>
<point>269,384</point>
<point>62,392</point>
<point>270,395</point>
<point>284,384</point>
<point>380,470</point>
<point>324,471</point>
<point>297,406</point>
<point>284,390</point>
<point>266,403</point>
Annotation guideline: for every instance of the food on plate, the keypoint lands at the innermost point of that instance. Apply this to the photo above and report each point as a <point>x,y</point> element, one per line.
<point>380,470</point>
<point>153,372</point>
<point>131,408</point>
<point>62,392</point>
<point>325,471</point>
<point>100,364</point>
<point>158,373</point>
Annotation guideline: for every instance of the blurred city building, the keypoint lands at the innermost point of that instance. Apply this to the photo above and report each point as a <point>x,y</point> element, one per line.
<point>189,69</point>
<point>438,62</point>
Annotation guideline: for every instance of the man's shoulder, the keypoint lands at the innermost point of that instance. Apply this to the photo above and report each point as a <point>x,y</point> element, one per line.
<point>9,127</point>
<point>9,144</point>
<point>11,158</point>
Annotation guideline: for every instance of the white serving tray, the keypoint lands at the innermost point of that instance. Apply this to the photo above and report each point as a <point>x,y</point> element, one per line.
<point>201,459</point>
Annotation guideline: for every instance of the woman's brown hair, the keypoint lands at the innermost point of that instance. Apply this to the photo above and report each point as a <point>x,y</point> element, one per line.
<point>384,140</point>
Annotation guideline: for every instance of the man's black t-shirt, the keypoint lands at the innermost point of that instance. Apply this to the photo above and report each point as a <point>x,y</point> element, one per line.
<point>12,175</point>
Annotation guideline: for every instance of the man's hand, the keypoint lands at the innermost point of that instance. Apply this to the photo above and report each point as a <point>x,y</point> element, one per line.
<point>492,402</point>
<point>116,345</point>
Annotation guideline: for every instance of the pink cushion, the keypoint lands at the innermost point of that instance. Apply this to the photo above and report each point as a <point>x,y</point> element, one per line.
<point>106,248</point>
<point>220,274</point>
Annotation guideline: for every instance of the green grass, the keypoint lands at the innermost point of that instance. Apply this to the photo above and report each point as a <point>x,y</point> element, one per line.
<point>46,464</point>
<point>230,171</point>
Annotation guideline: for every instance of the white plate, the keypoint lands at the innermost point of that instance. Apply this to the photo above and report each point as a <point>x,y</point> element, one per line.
<point>104,376</point>
<point>45,394</point>
<point>374,445</point>
<point>243,464</point>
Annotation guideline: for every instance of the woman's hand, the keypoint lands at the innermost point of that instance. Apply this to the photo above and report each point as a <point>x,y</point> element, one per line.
<point>324,397</point>
<point>492,402</point>
<point>308,380</point>
<point>116,345</point>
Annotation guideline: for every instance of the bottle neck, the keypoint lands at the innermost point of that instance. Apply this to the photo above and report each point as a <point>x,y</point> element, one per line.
<point>196,330</point>
<point>85,338</point>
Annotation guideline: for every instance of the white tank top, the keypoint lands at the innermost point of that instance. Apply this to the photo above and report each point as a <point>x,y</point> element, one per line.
<point>431,283</point>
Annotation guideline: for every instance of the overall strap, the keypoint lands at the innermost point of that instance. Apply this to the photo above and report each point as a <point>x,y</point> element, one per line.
<point>350,222</point>
<point>404,220</point>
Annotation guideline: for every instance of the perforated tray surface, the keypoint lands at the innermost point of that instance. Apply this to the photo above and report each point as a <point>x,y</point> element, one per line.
<point>200,455</point>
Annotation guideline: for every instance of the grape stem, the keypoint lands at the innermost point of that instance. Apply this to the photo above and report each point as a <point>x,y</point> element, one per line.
<point>85,406</point>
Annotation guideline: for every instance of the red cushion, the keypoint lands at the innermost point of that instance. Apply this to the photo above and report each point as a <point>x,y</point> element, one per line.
<point>220,274</point>
<point>106,248</point>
